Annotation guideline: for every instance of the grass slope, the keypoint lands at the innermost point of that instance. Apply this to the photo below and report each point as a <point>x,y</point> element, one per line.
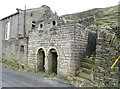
<point>104,16</point>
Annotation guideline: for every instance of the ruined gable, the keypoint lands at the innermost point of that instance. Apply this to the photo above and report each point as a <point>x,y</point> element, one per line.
<point>67,40</point>
<point>41,36</point>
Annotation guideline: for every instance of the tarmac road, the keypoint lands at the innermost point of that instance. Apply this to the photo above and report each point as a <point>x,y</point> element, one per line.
<point>14,78</point>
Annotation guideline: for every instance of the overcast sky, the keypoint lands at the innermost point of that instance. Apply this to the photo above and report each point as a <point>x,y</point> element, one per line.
<point>62,7</point>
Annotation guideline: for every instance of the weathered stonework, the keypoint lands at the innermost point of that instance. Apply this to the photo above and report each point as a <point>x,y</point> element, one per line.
<point>106,54</point>
<point>0,40</point>
<point>65,39</point>
<point>38,38</point>
<point>41,41</point>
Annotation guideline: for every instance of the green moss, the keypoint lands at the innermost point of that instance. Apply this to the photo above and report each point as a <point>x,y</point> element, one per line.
<point>50,75</point>
<point>117,40</point>
<point>90,61</point>
<point>31,69</point>
<point>62,77</point>
<point>89,71</point>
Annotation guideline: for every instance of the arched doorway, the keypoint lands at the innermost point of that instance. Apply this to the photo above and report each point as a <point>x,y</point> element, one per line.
<point>52,61</point>
<point>41,60</point>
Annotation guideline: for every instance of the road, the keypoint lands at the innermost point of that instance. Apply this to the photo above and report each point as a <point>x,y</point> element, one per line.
<point>14,78</point>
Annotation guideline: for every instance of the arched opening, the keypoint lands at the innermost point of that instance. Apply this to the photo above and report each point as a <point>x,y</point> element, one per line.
<point>52,61</point>
<point>41,60</point>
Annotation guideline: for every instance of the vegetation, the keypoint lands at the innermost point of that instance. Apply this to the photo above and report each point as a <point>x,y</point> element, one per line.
<point>104,16</point>
<point>12,63</point>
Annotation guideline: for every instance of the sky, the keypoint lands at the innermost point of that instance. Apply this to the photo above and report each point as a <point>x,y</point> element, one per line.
<point>8,7</point>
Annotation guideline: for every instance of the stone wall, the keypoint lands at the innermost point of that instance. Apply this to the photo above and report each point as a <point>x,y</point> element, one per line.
<point>49,31</point>
<point>0,40</point>
<point>87,21</point>
<point>106,54</point>
<point>68,40</point>
<point>20,25</point>
<point>9,46</point>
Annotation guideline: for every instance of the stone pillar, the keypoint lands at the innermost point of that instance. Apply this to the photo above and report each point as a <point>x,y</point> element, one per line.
<point>46,64</point>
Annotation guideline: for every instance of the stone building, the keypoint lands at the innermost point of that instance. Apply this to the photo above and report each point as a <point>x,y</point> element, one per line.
<point>40,40</point>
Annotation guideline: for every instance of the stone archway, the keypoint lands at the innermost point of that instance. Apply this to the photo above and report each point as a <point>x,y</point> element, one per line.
<point>52,61</point>
<point>41,60</point>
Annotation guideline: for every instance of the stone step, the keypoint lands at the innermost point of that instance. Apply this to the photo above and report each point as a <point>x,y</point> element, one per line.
<point>91,61</point>
<point>87,65</point>
<point>85,76</point>
<point>86,70</point>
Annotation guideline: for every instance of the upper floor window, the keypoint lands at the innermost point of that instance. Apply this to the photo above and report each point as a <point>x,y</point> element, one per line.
<point>33,24</point>
<point>7,31</point>
<point>40,26</point>
<point>53,23</point>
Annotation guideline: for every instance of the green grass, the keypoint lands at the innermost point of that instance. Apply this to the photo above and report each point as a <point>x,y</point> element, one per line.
<point>104,16</point>
<point>10,63</point>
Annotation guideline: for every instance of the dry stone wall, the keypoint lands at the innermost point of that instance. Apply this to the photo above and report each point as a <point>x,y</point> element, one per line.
<point>106,54</point>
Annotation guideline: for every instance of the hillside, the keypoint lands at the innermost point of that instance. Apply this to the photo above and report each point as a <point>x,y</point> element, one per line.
<point>104,16</point>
